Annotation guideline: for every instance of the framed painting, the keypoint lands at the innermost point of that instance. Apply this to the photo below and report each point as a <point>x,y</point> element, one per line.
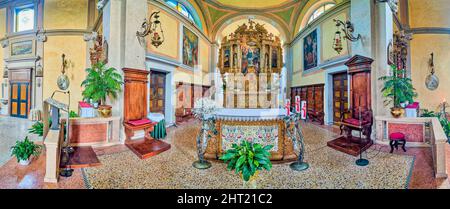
<point>190,48</point>
<point>275,58</point>
<point>310,51</point>
<point>226,63</point>
<point>22,48</point>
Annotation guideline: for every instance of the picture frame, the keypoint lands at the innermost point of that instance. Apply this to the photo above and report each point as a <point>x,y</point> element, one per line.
<point>22,48</point>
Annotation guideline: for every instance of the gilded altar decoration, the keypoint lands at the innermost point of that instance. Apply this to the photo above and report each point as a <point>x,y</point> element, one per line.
<point>250,62</point>
<point>99,53</point>
<point>190,48</point>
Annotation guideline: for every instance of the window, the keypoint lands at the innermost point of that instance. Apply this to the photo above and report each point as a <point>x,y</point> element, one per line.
<point>319,11</point>
<point>24,18</point>
<point>185,11</point>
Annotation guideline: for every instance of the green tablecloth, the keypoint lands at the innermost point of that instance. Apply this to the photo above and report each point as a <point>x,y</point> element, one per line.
<point>159,130</point>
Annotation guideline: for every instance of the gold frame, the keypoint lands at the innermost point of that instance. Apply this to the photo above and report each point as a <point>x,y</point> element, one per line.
<point>33,48</point>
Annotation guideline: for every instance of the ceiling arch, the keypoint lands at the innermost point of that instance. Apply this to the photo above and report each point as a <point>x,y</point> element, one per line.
<point>228,25</point>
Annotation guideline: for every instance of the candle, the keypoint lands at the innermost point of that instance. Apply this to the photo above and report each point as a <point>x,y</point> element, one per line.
<point>288,107</point>
<point>297,104</point>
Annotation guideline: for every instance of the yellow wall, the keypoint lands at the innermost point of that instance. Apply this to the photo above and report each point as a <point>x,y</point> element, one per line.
<point>433,13</point>
<point>171,33</point>
<point>328,29</point>
<point>421,47</point>
<point>71,14</point>
<point>171,48</point>
<point>74,47</point>
<point>328,34</point>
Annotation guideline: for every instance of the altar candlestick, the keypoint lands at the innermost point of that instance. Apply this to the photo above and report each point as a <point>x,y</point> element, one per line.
<point>297,104</point>
<point>288,107</point>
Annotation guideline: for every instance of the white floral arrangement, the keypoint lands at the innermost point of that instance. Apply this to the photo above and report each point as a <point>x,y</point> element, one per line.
<point>204,106</point>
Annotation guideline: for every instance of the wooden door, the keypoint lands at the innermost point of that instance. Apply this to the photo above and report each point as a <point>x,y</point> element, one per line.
<point>20,99</point>
<point>340,95</point>
<point>157,92</point>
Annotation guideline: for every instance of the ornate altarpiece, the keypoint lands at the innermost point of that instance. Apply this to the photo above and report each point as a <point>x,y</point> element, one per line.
<point>250,51</point>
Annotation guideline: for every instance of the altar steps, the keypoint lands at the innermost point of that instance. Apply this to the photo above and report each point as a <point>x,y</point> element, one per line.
<point>352,146</point>
<point>145,148</point>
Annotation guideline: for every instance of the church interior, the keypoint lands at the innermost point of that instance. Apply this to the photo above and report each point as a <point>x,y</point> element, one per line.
<point>224,94</point>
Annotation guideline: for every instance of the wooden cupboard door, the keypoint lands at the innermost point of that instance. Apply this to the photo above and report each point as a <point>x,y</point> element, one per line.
<point>157,92</point>
<point>20,99</point>
<point>340,95</point>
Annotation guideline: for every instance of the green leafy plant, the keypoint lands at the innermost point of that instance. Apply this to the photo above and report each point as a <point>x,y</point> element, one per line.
<point>247,158</point>
<point>73,114</point>
<point>101,82</point>
<point>397,88</point>
<point>24,149</point>
<point>37,128</point>
<point>428,113</point>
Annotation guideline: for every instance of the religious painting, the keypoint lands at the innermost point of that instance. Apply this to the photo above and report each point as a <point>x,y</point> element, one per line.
<point>22,48</point>
<point>250,59</point>
<point>310,51</point>
<point>190,48</point>
<point>275,58</point>
<point>226,62</point>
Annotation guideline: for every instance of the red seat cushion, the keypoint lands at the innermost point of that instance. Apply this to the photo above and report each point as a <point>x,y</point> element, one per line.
<point>397,136</point>
<point>354,122</point>
<point>139,122</point>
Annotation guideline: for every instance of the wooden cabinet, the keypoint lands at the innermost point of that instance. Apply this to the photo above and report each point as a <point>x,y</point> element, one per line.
<point>313,95</point>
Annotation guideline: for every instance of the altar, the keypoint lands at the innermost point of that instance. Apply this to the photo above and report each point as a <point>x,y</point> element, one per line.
<point>263,126</point>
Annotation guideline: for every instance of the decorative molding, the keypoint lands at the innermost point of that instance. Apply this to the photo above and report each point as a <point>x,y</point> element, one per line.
<point>101,4</point>
<point>429,30</point>
<point>90,36</point>
<point>40,36</point>
<point>5,43</point>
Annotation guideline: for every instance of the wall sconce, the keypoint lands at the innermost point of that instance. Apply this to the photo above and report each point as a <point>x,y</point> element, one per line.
<point>348,31</point>
<point>432,81</point>
<point>151,26</point>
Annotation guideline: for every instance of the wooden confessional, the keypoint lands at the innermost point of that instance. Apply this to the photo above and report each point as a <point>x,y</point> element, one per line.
<point>359,115</point>
<point>135,115</point>
<point>135,103</point>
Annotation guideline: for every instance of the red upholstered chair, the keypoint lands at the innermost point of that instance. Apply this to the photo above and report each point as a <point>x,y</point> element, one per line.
<point>358,120</point>
<point>395,138</point>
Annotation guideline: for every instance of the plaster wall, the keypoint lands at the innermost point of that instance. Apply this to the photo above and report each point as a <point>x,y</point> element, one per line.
<point>422,46</point>
<point>74,48</point>
<point>433,13</point>
<point>60,14</point>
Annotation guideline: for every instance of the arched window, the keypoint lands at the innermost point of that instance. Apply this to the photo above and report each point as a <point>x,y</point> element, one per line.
<point>319,11</point>
<point>186,10</point>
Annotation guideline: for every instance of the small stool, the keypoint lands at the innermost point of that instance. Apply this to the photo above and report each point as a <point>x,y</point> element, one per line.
<point>395,138</point>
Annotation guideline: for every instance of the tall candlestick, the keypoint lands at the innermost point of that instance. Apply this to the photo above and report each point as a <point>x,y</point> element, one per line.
<point>288,107</point>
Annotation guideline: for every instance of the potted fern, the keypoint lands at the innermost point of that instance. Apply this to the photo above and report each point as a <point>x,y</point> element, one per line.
<point>248,159</point>
<point>24,150</point>
<point>397,89</point>
<point>101,82</point>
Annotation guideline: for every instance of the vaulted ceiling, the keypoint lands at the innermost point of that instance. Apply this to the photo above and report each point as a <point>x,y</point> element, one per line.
<point>283,14</point>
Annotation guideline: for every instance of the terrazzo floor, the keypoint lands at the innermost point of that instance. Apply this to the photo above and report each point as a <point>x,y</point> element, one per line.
<point>173,169</point>
<point>14,176</point>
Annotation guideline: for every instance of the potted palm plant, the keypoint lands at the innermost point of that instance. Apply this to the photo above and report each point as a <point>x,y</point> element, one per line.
<point>397,89</point>
<point>248,159</point>
<point>24,150</point>
<point>101,82</point>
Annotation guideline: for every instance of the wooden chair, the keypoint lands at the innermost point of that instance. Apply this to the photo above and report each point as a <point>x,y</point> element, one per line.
<point>359,120</point>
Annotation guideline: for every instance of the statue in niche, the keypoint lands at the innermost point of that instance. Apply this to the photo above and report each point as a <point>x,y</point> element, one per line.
<point>235,59</point>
